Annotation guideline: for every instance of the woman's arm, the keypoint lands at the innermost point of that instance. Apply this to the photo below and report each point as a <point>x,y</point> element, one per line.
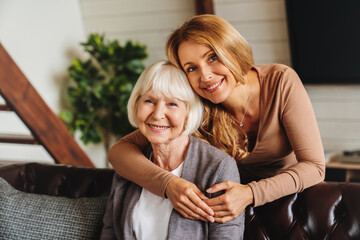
<point>299,122</point>
<point>129,162</point>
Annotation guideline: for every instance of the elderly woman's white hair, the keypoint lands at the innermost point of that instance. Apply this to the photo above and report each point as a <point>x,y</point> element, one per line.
<point>166,79</point>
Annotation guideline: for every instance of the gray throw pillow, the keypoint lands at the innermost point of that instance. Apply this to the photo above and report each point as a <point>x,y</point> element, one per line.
<point>34,216</point>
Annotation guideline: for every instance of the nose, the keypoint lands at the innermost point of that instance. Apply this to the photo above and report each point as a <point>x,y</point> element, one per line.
<point>159,111</point>
<point>206,74</point>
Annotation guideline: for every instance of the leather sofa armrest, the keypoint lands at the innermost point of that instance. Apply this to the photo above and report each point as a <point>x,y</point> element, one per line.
<point>327,210</point>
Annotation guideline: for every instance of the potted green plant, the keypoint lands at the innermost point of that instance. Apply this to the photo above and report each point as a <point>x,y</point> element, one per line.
<point>100,88</point>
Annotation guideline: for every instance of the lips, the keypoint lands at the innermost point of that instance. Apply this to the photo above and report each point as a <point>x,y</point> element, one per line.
<point>215,86</point>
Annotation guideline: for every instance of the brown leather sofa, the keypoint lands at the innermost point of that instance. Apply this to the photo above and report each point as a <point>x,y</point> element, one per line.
<point>326,211</point>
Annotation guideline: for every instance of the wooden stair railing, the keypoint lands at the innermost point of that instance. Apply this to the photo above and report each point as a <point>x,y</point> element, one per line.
<point>46,128</point>
<point>15,138</point>
<point>4,107</point>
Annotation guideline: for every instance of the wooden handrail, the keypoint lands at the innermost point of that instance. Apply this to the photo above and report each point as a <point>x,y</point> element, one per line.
<point>45,126</point>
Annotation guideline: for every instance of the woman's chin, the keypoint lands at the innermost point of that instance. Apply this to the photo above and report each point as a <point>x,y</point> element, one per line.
<point>217,100</point>
<point>155,140</point>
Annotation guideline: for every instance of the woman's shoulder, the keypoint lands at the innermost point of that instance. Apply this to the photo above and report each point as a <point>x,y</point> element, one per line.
<point>271,70</point>
<point>271,76</point>
<point>206,151</point>
<point>207,160</point>
<point>274,67</point>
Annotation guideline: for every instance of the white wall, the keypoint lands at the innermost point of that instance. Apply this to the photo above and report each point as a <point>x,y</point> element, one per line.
<point>337,109</point>
<point>263,24</point>
<point>147,21</point>
<point>42,36</point>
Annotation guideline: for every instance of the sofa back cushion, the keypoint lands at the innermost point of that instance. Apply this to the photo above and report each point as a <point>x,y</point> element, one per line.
<point>57,179</point>
<point>35,216</point>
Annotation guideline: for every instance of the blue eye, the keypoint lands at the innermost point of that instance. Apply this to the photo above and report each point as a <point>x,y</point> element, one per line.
<point>173,104</point>
<point>191,69</point>
<point>148,101</point>
<point>213,57</point>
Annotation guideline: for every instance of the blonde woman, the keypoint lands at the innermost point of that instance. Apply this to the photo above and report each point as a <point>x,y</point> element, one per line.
<point>259,114</point>
<point>167,111</point>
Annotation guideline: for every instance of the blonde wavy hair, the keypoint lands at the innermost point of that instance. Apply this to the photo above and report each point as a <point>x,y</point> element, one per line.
<point>218,127</point>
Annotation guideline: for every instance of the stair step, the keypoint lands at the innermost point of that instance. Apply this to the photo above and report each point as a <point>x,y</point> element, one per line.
<point>4,107</point>
<point>17,138</point>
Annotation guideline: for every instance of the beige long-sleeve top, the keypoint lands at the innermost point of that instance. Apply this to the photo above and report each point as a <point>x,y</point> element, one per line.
<point>288,155</point>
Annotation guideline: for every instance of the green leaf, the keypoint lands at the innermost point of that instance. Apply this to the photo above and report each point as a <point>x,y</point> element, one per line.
<point>67,116</point>
<point>80,122</point>
<point>76,64</point>
<point>135,66</point>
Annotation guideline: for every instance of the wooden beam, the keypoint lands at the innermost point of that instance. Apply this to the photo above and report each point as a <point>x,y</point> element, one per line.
<point>44,125</point>
<point>4,107</point>
<point>204,7</point>
<point>17,138</point>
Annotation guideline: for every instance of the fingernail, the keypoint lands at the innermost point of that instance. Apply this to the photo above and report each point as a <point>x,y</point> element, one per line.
<point>211,212</point>
<point>212,219</point>
<point>208,190</point>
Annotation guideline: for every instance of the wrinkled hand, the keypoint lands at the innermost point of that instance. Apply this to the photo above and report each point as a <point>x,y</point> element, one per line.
<point>187,199</point>
<point>232,203</point>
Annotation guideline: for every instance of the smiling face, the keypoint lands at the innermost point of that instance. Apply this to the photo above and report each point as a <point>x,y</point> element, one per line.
<point>161,119</point>
<point>208,76</point>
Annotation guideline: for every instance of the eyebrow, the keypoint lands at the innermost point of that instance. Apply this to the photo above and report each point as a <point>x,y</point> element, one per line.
<point>203,56</point>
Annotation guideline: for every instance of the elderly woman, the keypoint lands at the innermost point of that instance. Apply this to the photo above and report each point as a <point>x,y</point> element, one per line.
<point>167,111</point>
